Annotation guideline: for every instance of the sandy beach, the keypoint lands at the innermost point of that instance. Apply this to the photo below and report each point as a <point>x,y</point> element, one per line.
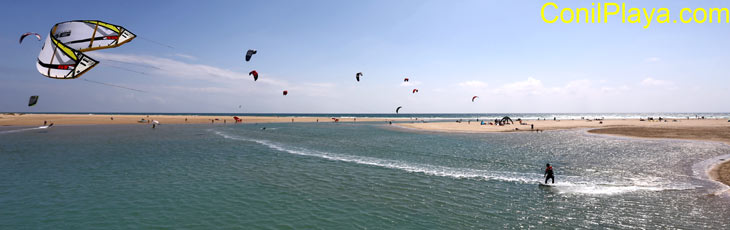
<point>98,119</point>
<point>687,129</point>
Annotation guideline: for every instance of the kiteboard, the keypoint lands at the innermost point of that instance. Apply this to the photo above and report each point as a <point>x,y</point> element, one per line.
<point>546,185</point>
<point>43,127</point>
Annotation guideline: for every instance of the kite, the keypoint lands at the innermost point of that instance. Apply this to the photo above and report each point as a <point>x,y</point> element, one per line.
<point>29,33</point>
<point>250,53</point>
<point>33,100</point>
<point>285,92</point>
<point>398,109</point>
<point>358,75</point>
<point>255,74</point>
<point>474,97</point>
<point>61,56</point>
<point>415,90</point>
<point>405,80</point>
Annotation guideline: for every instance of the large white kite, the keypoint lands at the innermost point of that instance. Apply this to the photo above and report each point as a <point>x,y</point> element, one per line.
<point>61,56</point>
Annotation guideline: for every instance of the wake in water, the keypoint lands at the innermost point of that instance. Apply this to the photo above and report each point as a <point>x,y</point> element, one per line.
<point>23,130</point>
<point>568,184</point>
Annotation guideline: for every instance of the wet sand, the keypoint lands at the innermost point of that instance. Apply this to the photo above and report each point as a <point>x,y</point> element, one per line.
<point>693,129</point>
<point>719,172</point>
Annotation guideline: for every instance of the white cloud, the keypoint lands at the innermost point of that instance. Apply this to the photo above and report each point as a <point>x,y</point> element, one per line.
<point>174,68</point>
<point>189,57</point>
<point>220,81</point>
<point>654,82</point>
<point>529,86</point>
<point>610,89</point>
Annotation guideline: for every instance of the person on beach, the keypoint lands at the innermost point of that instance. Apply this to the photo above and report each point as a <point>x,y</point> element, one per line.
<point>549,173</point>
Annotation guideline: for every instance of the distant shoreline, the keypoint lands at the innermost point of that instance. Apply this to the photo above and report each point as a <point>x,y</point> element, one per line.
<point>114,119</point>
<point>687,129</point>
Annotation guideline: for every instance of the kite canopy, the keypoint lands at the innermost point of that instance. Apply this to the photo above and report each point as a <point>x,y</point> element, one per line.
<point>415,90</point>
<point>29,33</point>
<point>358,75</point>
<point>474,97</point>
<point>505,120</point>
<point>398,109</point>
<point>250,53</point>
<point>61,56</point>
<point>255,74</point>
<point>285,92</point>
<point>33,100</point>
<point>405,80</point>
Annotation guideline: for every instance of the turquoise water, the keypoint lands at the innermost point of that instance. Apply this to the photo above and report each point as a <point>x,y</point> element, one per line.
<point>348,176</point>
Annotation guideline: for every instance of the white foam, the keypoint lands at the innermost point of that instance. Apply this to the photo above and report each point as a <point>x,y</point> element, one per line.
<point>570,184</point>
<point>22,130</point>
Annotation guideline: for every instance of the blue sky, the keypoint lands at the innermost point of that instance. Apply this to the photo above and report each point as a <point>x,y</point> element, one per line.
<point>450,50</point>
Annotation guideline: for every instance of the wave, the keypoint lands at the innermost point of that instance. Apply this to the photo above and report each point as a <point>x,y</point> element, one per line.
<point>570,184</point>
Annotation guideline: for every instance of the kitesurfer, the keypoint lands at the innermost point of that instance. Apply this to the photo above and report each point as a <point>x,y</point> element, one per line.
<point>549,173</point>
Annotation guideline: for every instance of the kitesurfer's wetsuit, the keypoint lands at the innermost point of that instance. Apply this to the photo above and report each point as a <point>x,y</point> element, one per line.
<point>549,174</point>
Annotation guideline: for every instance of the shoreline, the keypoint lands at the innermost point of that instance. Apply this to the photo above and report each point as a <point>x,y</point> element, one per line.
<point>715,130</point>
<point>686,129</point>
<point>720,172</point>
<point>112,119</point>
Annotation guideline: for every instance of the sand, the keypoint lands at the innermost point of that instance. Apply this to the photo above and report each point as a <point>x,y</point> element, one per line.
<point>719,172</point>
<point>694,129</point>
<point>475,127</point>
<point>79,119</point>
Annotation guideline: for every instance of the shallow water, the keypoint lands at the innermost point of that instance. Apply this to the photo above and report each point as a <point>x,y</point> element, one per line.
<point>342,176</point>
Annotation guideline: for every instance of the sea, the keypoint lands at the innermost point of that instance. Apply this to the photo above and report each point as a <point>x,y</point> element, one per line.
<point>364,175</point>
<point>444,116</point>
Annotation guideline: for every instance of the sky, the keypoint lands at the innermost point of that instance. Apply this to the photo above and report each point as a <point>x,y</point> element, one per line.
<point>189,58</point>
